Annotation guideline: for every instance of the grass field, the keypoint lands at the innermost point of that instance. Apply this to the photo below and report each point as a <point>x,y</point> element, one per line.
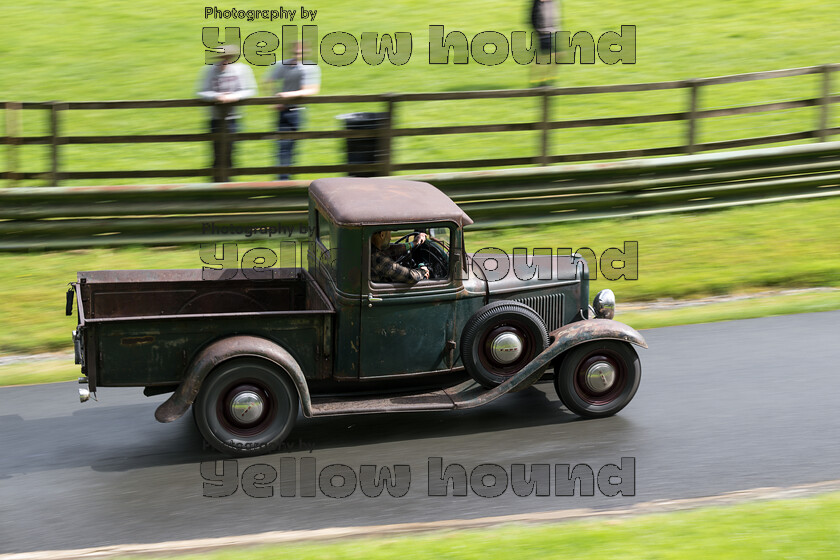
<point>151,49</point>
<point>798,528</point>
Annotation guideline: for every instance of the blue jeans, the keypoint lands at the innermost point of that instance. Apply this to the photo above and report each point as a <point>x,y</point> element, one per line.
<point>288,120</point>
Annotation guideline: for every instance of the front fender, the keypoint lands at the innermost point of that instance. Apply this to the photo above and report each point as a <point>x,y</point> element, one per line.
<point>597,329</point>
<point>225,349</point>
<point>581,332</point>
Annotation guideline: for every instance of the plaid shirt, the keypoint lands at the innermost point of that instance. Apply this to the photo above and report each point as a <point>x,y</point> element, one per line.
<point>384,269</point>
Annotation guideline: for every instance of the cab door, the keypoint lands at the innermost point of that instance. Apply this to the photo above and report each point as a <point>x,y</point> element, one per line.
<point>407,328</point>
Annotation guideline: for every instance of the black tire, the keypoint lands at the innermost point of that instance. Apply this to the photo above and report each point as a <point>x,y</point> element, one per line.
<point>244,378</point>
<point>594,399</point>
<point>492,321</point>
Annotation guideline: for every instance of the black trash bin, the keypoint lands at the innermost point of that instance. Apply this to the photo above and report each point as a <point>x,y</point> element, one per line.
<point>364,150</point>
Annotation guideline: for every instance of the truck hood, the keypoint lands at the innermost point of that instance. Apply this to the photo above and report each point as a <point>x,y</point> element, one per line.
<point>508,274</point>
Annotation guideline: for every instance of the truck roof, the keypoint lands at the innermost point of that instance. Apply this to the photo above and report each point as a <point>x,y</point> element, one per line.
<point>352,201</point>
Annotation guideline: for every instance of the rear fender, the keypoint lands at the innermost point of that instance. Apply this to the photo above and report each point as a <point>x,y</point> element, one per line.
<point>221,350</point>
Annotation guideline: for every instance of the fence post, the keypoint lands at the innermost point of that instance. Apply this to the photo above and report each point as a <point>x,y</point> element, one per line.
<point>386,135</point>
<point>545,118</point>
<point>55,140</point>
<point>691,133</point>
<point>822,125</point>
<point>222,171</point>
<point>13,113</point>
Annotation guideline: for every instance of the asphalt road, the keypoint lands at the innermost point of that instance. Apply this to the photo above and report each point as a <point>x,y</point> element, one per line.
<point>721,407</point>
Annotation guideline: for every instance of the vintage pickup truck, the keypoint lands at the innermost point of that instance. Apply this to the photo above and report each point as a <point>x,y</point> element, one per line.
<point>249,351</point>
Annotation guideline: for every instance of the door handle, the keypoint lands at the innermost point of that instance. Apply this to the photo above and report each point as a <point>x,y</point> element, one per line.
<point>373,299</point>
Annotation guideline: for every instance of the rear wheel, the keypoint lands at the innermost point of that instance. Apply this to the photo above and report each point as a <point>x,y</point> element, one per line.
<point>246,407</point>
<point>598,379</point>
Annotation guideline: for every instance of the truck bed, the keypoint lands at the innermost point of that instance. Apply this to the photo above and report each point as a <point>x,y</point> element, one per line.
<point>143,327</point>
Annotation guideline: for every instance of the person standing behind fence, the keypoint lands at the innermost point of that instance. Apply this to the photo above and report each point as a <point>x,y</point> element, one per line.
<point>292,80</point>
<point>545,16</point>
<point>223,83</point>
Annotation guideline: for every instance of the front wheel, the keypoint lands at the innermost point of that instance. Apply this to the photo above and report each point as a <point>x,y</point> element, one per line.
<point>246,407</point>
<point>598,379</point>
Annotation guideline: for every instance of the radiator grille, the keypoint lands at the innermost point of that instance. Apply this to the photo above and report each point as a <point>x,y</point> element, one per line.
<point>549,307</point>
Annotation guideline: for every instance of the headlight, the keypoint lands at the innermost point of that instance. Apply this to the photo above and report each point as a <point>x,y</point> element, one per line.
<point>604,304</point>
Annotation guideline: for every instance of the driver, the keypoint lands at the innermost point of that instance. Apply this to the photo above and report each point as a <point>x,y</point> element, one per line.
<point>383,267</point>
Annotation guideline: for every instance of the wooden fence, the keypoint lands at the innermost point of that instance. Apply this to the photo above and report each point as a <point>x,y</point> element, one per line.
<point>386,162</point>
<point>35,218</point>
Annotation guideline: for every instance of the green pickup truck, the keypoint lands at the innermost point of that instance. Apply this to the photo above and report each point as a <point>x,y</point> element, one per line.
<point>249,349</point>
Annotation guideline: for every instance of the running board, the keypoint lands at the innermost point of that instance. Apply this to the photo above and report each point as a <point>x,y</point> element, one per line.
<point>455,396</point>
<point>411,402</point>
<point>467,394</point>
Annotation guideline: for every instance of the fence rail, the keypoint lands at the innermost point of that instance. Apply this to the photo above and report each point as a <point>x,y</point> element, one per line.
<point>74,217</point>
<point>387,162</point>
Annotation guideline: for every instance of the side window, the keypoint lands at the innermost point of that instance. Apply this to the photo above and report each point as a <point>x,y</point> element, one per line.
<point>324,233</point>
<point>396,260</point>
<point>324,241</point>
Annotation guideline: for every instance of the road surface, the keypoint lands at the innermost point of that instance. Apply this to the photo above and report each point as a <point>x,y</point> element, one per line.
<point>721,407</point>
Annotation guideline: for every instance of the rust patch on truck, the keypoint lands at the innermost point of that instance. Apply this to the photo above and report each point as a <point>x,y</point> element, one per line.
<point>136,340</point>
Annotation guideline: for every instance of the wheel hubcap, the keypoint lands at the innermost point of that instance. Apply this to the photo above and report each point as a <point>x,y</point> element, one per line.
<point>246,407</point>
<point>506,348</point>
<point>599,377</point>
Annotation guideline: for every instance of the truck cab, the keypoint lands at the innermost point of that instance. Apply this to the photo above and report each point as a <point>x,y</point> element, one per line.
<point>388,328</point>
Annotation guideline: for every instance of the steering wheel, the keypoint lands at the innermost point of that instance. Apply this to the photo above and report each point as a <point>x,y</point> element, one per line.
<point>430,254</point>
